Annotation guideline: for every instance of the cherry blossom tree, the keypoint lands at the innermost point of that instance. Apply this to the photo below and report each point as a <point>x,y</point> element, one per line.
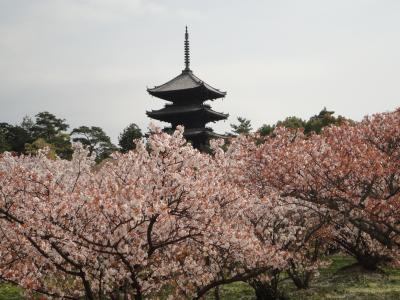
<point>144,220</point>
<point>351,170</point>
<point>38,197</point>
<point>293,226</point>
<point>235,253</point>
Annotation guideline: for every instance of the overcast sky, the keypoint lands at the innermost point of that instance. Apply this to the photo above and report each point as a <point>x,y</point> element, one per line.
<point>90,61</point>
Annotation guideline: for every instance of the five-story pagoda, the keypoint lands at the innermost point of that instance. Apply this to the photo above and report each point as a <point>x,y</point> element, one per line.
<point>188,93</point>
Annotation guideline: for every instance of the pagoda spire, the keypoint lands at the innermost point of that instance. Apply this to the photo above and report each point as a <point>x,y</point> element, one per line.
<point>187,54</point>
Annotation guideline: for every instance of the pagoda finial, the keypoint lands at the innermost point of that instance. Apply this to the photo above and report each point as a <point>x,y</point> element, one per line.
<point>187,54</point>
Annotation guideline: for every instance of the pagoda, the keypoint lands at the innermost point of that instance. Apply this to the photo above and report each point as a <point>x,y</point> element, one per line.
<point>187,94</point>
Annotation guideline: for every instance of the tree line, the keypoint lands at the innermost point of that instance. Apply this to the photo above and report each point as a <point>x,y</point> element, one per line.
<point>314,124</point>
<point>46,130</point>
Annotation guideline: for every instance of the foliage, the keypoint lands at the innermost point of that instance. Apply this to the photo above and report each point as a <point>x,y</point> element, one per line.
<point>10,292</point>
<point>13,138</point>
<point>48,126</point>
<point>313,125</point>
<point>52,130</point>
<point>4,145</point>
<point>96,141</point>
<point>40,144</point>
<point>27,124</point>
<point>266,129</point>
<point>292,123</point>
<point>323,119</point>
<point>244,126</point>
<point>126,138</point>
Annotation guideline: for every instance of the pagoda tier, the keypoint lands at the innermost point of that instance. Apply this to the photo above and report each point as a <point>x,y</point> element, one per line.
<point>186,87</point>
<point>187,114</point>
<point>187,93</point>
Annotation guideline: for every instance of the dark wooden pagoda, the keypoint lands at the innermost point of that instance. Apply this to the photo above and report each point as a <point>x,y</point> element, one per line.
<point>188,93</point>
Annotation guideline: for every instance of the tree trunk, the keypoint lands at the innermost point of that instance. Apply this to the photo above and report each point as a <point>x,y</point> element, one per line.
<point>267,291</point>
<point>216,293</point>
<point>138,296</point>
<point>301,281</point>
<point>88,289</point>
<point>368,262</point>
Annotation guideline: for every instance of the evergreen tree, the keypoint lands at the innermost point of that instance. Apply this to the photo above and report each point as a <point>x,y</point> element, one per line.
<point>96,141</point>
<point>13,138</point>
<point>52,130</point>
<point>130,133</point>
<point>244,126</point>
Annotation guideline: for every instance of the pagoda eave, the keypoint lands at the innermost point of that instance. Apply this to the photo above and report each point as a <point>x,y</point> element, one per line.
<point>169,110</point>
<point>171,115</point>
<point>201,92</point>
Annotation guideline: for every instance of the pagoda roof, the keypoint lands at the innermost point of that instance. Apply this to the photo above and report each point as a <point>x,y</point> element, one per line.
<point>186,85</point>
<point>170,111</point>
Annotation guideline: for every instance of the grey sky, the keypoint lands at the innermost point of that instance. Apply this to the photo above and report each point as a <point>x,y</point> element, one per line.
<point>89,61</point>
